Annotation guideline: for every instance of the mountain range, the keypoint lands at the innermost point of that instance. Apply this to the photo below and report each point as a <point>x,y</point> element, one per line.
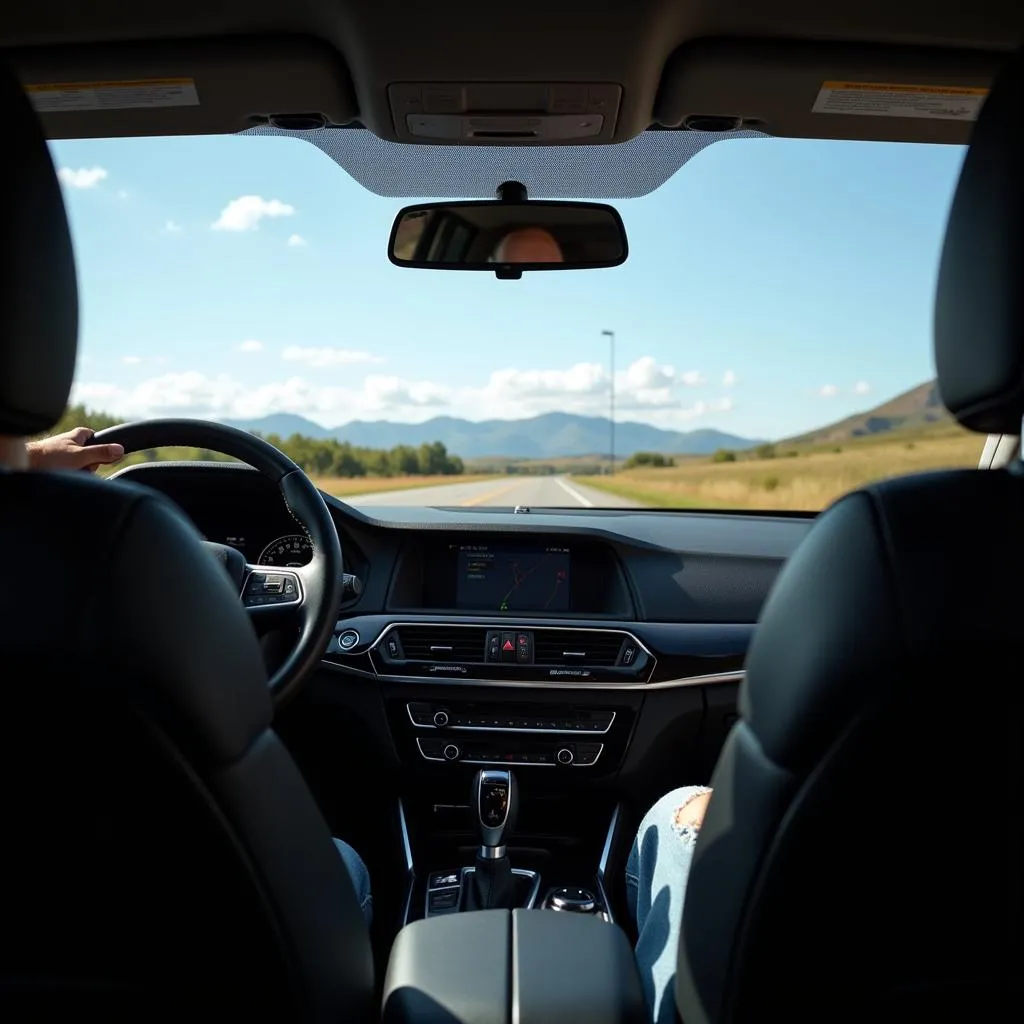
<point>559,434</point>
<point>552,435</point>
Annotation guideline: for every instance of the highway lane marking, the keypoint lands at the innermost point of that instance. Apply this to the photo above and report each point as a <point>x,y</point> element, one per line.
<point>484,498</point>
<point>573,493</point>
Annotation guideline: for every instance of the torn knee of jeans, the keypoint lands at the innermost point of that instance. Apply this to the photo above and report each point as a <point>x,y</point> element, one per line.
<point>687,818</point>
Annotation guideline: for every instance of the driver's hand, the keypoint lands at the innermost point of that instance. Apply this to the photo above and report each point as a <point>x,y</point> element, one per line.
<point>69,451</point>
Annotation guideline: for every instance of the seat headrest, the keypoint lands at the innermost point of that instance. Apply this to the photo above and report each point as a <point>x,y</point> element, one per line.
<point>979,306</point>
<point>38,294</point>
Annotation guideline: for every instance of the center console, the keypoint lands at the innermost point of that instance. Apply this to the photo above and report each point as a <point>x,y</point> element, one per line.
<point>492,882</point>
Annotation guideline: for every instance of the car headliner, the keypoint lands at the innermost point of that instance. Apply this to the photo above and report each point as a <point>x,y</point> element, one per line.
<point>760,65</point>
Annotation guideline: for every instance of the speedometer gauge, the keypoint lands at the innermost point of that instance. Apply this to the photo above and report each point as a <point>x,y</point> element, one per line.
<point>294,550</point>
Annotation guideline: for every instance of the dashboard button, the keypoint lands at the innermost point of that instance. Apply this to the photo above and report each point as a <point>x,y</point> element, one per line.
<point>421,714</point>
<point>564,756</point>
<point>451,752</point>
<point>508,647</point>
<point>441,719</point>
<point>493,646</point>
<point>348,639</point>
<point>443,879</point>
<point>587,753</point>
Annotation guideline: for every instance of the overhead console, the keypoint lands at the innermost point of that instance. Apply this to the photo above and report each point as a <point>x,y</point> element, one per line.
<point>504,113</point>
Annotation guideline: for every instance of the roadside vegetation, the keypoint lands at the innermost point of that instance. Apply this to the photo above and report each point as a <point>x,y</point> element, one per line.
<point>790,477</point>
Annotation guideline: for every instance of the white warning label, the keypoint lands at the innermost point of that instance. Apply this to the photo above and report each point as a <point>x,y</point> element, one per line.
<point>884,99</point>
<point>143,93</point>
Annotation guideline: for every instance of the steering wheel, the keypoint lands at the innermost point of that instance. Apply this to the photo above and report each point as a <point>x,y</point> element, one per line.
<point>308,596</point>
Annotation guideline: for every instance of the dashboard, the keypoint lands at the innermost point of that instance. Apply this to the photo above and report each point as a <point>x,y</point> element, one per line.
<point>602,645</point>
<point>583,596</point>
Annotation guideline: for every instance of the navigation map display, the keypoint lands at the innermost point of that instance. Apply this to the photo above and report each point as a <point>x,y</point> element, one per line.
<point>512,579</point>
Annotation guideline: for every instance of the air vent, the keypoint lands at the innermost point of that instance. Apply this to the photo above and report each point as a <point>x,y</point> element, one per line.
<point>442,643</point>
<point>577,647</point>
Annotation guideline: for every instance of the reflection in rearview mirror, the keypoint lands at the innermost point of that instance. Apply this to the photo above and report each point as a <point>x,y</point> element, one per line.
<point>507,238</point>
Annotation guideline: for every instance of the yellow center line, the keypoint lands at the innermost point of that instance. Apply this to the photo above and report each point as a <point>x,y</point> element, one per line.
<point>484,498</point>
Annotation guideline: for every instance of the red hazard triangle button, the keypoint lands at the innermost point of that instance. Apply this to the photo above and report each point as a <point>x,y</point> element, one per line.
<point>507,645</point>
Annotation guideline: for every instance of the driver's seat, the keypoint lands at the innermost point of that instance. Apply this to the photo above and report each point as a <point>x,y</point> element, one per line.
<point>161,855</point>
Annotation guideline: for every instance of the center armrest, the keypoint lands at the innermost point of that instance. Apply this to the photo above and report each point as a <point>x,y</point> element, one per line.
<point>500,966</point>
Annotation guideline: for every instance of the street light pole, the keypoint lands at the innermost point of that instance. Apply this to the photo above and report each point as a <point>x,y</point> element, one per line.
<point>611,399</point>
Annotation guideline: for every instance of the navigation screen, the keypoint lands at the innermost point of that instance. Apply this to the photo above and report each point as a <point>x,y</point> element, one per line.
<point>512,580</point>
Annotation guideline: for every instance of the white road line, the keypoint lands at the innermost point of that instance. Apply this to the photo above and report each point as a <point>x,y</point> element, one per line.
<point>573,493</point>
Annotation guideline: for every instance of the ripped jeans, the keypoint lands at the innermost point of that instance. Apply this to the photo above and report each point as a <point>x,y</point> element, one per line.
<point>656,875</point>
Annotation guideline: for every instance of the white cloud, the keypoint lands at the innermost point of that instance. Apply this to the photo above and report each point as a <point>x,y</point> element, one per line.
<point>295,241</point>
<point>131,360</point>
<point>645,391</point>
<point>320,358</point>
<point>728,379</point>
<point>172,227</point>
<point>828,390</point>
<point>862,387</point>
<point>692,378</point>
<point>249,345</point>
<point>246,212</point>
<point>82,177</point>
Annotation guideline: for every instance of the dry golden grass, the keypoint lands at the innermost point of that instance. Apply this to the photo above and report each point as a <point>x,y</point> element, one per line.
<point>808,481</point>
<point>351,487</point>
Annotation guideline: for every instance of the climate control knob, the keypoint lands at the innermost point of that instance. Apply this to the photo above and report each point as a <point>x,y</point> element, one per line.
<point>451,752</point>
<point>564,756</point>
<point>440,719</point>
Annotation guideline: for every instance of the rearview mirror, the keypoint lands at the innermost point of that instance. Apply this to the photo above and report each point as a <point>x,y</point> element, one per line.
<point>507,238</point>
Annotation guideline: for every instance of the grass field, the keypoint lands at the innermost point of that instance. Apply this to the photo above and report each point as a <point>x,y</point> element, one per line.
<point>800,479</point>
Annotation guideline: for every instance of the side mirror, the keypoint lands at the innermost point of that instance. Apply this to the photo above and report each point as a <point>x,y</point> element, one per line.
<point>508,235</point>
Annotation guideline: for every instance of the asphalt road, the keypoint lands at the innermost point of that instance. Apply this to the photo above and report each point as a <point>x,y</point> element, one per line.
<point>532,491</point>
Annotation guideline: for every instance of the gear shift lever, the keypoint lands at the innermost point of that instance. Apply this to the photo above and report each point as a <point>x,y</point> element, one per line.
<point>495,800</point>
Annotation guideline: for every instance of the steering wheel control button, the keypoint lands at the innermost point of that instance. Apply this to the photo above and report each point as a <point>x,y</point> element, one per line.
<point>573,900</point>
<point>441,719</point>
<point>348,639</point>
<point>451,752</point>
<point>564,756</point>
<point>263,588</point>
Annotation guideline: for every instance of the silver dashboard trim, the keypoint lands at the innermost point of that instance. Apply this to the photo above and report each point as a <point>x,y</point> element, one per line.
<point>504,764</point>
<point>510,729</point>
<point>609,840</point>
<point>410,873</point>
<point>548,686</point>
<point>491,624</point>
<point>602,864</point>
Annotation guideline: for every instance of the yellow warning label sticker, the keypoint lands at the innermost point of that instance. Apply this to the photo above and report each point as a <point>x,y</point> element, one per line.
<point>886,99</point>
<point>143,93</point>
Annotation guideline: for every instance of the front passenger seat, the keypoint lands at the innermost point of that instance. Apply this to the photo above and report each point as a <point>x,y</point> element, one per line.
<point>860,858</point>
<point>160,855</point>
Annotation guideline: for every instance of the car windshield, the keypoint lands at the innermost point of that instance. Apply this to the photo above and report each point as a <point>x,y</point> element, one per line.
<point>767,344</point>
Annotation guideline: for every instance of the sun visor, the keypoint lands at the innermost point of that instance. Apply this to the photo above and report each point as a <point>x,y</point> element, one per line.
<point>826,91</point>
<point>191,87</point>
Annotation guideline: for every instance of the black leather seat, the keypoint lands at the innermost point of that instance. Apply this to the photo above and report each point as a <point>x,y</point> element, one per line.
<point>860,858</point>
<point>160,854</point>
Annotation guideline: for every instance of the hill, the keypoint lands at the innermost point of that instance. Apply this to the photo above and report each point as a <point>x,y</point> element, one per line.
<point>539,437</point>
<point>913,410</point>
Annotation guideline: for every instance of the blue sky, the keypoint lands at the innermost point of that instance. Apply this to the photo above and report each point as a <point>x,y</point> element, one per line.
<point>772,286</point>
